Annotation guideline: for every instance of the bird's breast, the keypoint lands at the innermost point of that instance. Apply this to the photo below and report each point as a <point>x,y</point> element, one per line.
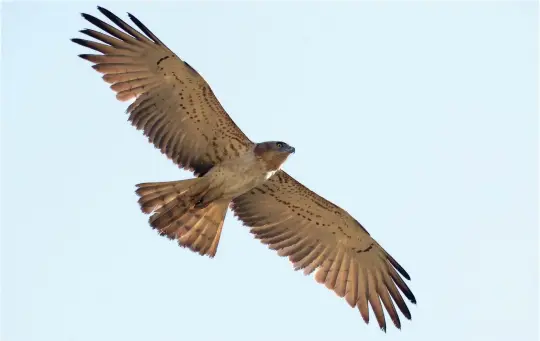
<point>239,175</point>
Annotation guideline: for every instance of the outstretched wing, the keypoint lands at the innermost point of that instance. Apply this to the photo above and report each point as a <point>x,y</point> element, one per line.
<point>174,106</point>
<point>318,235</point>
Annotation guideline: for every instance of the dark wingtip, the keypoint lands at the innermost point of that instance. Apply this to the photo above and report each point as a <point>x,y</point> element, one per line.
<point>398,267</point>
<point>85,56</point>
<point>411,297</point>
<point>108,14</point>
<point>396,320</point>
<point>401,270</point>
<point>103,10</point>
<point>81,42</point>
<point>135,20</point>
<point>87,16</point>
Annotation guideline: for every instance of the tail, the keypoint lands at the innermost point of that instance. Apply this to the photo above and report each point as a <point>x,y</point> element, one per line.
<point>178,215</point>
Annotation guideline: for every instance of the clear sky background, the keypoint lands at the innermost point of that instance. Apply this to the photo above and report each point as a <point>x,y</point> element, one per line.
<point>418,118</point>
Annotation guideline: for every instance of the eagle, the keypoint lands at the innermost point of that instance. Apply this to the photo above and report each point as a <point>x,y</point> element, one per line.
<point>179,114</point>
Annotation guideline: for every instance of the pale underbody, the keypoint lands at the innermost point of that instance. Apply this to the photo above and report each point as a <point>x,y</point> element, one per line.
<point>237,176</point>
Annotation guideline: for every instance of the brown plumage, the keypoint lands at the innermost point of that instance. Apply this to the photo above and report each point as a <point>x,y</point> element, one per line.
<point>178,112</point>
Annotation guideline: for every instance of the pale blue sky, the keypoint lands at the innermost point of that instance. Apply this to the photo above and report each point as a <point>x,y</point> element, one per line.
<point>418,118</point>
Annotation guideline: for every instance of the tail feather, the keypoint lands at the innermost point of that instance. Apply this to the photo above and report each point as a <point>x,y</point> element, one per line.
<point>154,195</point>
<point>201,229</point>
<point>176,215</point>
<point>168,213</point>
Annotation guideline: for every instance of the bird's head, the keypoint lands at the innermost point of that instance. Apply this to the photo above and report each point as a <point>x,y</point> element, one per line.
<point>274,153</point>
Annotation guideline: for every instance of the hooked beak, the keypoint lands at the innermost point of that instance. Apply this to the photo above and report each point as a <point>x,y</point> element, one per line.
<point>291,150</point>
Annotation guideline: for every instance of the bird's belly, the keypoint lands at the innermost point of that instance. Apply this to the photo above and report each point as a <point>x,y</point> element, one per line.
<point>238,176</point>
<point>242,183</point>
<point>236,181</point>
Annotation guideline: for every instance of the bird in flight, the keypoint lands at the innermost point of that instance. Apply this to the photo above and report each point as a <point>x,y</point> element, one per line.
<point>178,112</point>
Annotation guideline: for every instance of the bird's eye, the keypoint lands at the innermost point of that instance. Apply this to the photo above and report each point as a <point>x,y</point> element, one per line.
<point>279,144</point>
